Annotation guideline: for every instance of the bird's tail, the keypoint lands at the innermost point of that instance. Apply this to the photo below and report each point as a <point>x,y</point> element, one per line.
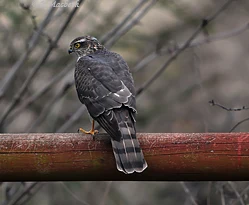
<point>128,154</point>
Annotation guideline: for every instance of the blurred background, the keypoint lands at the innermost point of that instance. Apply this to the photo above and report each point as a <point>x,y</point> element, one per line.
<point>37,92</point>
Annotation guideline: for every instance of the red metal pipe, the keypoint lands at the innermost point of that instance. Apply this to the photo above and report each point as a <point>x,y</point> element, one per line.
<point>170,156</point>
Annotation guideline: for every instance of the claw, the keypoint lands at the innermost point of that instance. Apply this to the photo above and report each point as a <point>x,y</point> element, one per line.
<point>92,132</point>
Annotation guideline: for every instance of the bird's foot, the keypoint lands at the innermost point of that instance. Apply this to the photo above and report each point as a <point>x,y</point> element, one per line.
<point>91,132</point>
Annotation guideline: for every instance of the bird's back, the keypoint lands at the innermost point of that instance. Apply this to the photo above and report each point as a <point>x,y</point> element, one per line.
<point>105,85</point>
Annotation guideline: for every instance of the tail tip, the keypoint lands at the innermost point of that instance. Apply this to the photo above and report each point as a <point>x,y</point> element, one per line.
<point>132,170</point>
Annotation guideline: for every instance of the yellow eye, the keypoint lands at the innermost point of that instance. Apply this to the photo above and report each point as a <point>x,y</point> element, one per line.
<point>76,45</point>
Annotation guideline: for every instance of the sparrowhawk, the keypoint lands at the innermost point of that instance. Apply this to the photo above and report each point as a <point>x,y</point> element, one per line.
<point>105,85</point>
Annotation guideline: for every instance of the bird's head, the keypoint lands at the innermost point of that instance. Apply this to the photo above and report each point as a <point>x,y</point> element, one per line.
<point>84,45</point>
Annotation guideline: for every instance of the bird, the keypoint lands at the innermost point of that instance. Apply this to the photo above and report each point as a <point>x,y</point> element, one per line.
<point>105,86</point>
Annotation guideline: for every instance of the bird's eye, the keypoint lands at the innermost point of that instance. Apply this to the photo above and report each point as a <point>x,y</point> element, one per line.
<point>76,45</point>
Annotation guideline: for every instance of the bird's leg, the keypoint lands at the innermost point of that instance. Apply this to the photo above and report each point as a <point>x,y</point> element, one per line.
<point>92,131</point>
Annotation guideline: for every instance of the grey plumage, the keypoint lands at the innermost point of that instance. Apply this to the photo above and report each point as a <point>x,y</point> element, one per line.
<point>105,85</point>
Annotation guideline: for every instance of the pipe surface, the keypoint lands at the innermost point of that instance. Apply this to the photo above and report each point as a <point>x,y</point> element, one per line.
<point>170,157</point>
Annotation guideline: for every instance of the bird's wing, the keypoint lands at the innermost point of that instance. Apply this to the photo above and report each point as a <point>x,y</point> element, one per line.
<point>121,69</point>
<point>107,99</point>
<point>98,86</point>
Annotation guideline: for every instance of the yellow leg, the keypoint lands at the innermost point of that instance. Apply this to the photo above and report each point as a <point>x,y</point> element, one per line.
<point>92,131</point>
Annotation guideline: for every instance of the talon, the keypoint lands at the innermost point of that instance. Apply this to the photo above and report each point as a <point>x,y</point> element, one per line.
<point>92,132</point>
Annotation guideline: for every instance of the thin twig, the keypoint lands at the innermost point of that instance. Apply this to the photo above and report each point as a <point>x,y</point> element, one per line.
<point>107,190</point>
<point>30,195</point>
<point>133,22</point>
<point>9,77</point>
<point>236,192</point>
<point>188,192</point>
<point>11,190</point>
<point>20,196</point>
<point>204,23</point>
<point>107,36</point>
<point>166,50</point>
<point>47,108</point>
<point>35,69</point>
<point>77,114</point>
<point>73,195</point>
<point>221,36</point>
<point>213,103</point>
<point>231,109</point>
<point>222,197</point>
<point>237,124</point>
<point>33,20</point>
<point>241,195</point>
<point>209,193</point>
<point>39,93</point>
<point>197,65</point>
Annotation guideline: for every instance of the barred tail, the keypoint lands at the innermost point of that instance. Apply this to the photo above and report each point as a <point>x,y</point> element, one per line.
<point>128,154</point>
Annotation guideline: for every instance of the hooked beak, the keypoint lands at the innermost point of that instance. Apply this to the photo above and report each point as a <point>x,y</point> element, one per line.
<point>70,50</point>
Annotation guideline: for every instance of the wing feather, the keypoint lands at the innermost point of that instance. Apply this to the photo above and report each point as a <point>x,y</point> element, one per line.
<point>99,87</point>
<point>105,85</point>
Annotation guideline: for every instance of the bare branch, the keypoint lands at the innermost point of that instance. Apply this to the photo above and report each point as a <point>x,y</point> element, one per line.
<point>133,22</point>
<point>46,109</point>
<point>6,82</point>
<point>236,192</point>
<point>222,197</point>
<point>204,23</point>
<point>35,69</point>
<point>73,195</point>
<point>11,190</point>
<point>188,192</point>
<point>241,195</point>
<point>32,193</point>
<point>26,190</point>
<point>107,190</point>
<point>79,112</point>
<point>240,122</point>
<point>107,36</point>
<point>39,93</point>
<point>212,103</point>
<point>33,20</point>
<point>221,36</point>
<point>209,193</point>
<point>209,39</point>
